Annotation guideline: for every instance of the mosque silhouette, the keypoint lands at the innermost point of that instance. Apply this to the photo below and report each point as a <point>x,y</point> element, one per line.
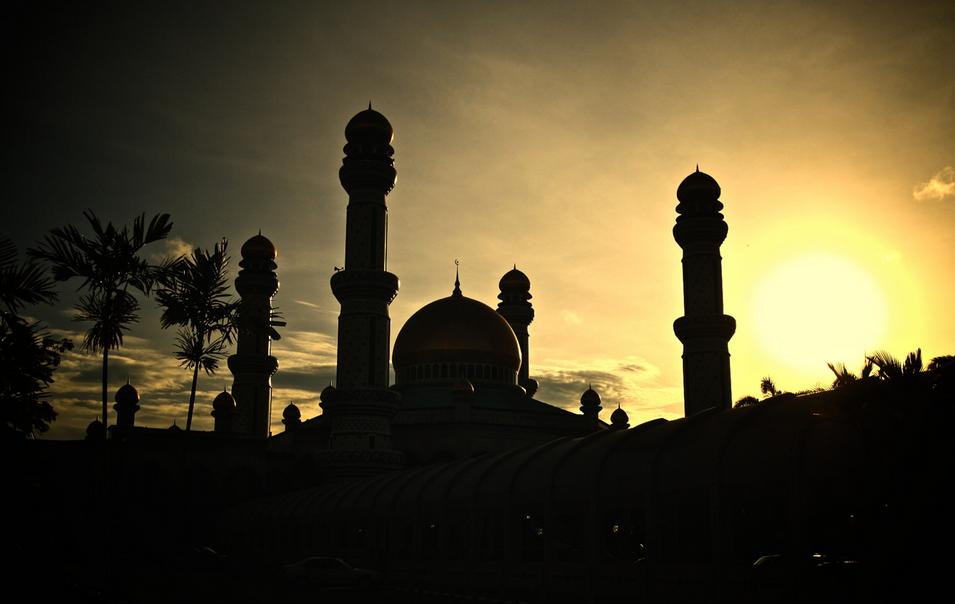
<point>457,479</point>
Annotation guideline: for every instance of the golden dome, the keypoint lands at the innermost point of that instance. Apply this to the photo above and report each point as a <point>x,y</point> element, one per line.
<point>457,329</point>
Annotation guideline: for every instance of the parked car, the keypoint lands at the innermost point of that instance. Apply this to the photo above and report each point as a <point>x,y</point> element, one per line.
<point>323,571</point>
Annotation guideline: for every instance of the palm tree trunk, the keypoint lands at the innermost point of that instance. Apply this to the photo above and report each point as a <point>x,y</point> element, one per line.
<point>105,375</point>
<point>192,396</point>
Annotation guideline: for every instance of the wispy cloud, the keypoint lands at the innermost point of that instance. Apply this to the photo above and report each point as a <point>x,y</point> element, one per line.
<point>938,187</point>
<point>172,247</point>
<point>316,307</point>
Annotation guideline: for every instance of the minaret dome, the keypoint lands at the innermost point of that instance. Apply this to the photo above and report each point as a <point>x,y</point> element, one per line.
<point>698,186</point>
<point>369,127</point>
<point>258,248</point>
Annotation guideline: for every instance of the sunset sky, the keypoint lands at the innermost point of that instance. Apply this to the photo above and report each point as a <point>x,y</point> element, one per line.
<point>547,134</point>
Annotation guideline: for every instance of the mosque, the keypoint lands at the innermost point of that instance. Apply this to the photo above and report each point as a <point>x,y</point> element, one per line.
<point>462,387</point>
<point>458,478</point>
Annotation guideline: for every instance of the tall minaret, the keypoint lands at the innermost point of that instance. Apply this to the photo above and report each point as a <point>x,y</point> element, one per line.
<point>252,365</point>
<point>361,405</point>
<point>704,330</point>
<point>517,310</point>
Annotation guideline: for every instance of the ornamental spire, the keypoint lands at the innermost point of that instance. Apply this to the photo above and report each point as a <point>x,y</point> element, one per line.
<point>457,279</point>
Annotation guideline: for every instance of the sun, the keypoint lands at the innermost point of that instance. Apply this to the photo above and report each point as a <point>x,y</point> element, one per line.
<point>819,308</point>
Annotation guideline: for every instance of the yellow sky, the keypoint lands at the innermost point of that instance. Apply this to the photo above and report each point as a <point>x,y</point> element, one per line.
<point>549,135</point>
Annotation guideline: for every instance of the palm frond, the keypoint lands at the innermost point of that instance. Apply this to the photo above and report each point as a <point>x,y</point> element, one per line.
<point>8,252</point>
<point>21,284</point>
<point>842,373</point>
<point>110,315</point>
<point>889,367</point>
<point>913,363</point>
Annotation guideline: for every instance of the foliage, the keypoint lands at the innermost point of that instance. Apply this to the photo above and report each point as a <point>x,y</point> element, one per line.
<point>746,401</point>
<point>890,368</point>
<point>768,388</point>
<point>28,356</point>
<point>108,265</point>
<point>194,295</point>
<point>844,376</point>
<point>942,361</point>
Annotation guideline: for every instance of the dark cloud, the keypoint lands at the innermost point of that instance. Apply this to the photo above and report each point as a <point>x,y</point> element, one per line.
<point>313,378</point>
<point>563,388</point>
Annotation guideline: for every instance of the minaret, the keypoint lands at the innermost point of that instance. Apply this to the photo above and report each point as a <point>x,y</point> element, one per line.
<point>252,365</point>
<point>361,405</point>
<point>703,329</point>
<point>517,310</point>
<point>127,404</point>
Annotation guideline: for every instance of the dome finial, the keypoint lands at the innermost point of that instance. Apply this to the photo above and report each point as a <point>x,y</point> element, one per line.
<point>369,105</point>
<point>457,279</point>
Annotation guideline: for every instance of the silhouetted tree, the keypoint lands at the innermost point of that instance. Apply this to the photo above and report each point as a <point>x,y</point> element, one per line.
<point>941,361</point>
<point>28,356</point>
<point>194,296</point>
<point>844,376</point>
<point>109,265</point>
<point>891,368</point>
<point>767,387</point>
<point>746,401</point>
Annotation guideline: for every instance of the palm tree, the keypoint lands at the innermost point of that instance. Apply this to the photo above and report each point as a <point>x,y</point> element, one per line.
<point>109,265</point>
<point>28,356</point>
<point>844,376</point>
<point>942,361</point>
<point>767,387</point>
<point>194,296</point>
<point>890,368</point>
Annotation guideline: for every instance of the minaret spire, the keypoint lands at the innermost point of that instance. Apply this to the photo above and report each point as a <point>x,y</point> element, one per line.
<point>457,279</point>
<point>703,329</point>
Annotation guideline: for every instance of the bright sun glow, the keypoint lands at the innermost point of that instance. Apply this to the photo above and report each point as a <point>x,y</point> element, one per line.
<point>818,308</point>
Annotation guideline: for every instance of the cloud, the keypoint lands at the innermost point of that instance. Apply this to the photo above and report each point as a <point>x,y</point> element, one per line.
<point>570,317</point>
<point>173,247</point>
<point>631,381</point>
<point>939,187</point>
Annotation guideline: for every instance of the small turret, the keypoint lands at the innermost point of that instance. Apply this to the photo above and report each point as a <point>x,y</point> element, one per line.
<point>619,420</point>
<point>95,431</point>
<point>590,404</point>
<point>224,412</point>
<point>291,417</point>
<point>127,404</point>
